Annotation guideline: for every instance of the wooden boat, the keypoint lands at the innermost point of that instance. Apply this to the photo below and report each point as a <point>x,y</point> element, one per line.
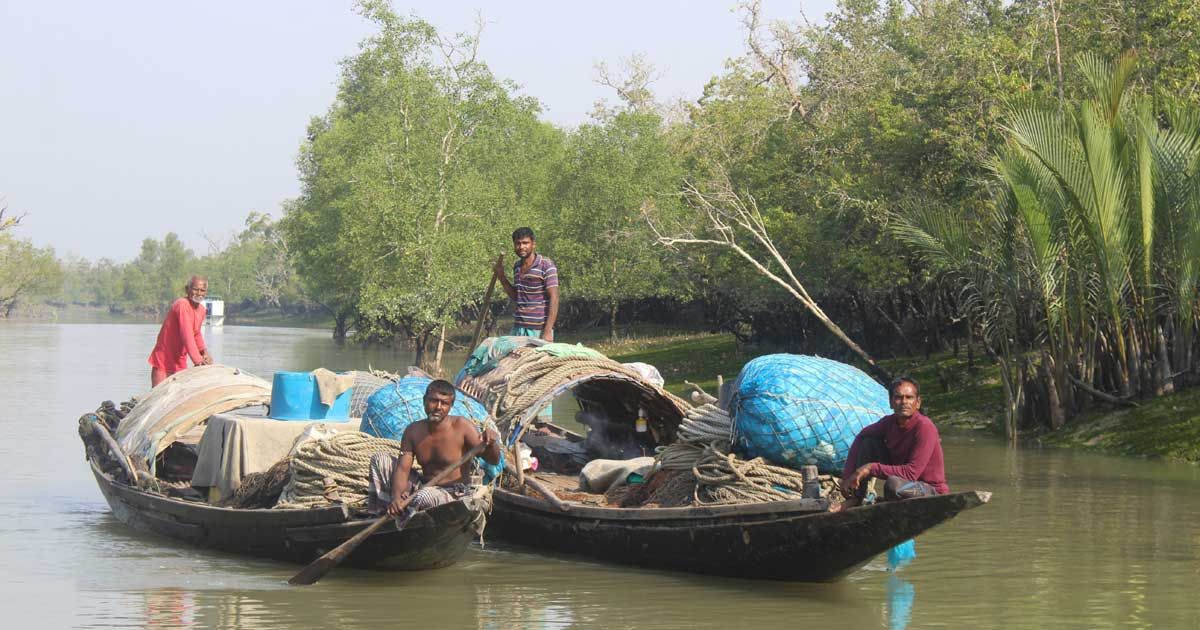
<point>432,538</point>
<point>795,540</point>
<point>798,540</point>
<point>783,540</point>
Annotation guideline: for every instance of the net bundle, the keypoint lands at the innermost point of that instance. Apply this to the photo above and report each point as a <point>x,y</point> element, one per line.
<point>794,410</point>
<point>366,384</point>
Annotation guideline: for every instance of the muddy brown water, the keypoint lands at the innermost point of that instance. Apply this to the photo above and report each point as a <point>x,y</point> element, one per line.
<point>1070,540</point>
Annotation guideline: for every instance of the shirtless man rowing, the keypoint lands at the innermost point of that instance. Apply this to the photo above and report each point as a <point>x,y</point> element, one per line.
<point>435,443</point>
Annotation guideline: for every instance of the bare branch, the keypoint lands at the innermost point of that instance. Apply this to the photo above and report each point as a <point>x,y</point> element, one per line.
<point>775,62</point>
<point>726,213</point>
<point>631,81</point>
<point>10,221</point>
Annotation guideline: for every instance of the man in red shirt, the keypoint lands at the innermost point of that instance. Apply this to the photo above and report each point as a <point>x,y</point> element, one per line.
<point>180,338</point>
<point>902,448</point>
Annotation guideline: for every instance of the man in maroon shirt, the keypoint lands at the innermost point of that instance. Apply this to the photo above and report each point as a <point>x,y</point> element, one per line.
<point>903,448</point>
<point>180,338</point>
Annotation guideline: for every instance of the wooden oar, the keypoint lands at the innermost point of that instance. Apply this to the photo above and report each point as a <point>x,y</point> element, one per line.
<point>540,488</point>
<point>319,567</point>
<point>487,305</point>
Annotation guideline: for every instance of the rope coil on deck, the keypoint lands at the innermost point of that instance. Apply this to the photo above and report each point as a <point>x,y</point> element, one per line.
<point>332,470</point>
<point>703,471</point>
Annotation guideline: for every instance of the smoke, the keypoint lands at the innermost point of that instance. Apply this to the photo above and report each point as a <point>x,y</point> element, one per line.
<point>608,439</point>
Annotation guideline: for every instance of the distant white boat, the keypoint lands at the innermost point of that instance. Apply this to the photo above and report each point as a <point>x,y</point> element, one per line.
<point>215,317</point>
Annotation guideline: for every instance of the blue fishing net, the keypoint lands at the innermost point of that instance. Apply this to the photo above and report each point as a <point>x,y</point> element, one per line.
<point>393,407</point>
<point>795,410</point>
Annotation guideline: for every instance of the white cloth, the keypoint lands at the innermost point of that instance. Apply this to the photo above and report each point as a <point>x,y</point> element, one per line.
<point>601,475</point>
<point>234,446</point>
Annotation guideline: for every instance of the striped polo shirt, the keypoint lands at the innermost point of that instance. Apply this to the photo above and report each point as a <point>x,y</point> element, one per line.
<point>533,297</point>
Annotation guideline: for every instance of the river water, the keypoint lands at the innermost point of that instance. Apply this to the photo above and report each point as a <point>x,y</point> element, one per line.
<point>1070,540</point>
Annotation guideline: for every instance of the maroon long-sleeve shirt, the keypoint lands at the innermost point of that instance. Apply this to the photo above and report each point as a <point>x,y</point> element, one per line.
<point>916,451</point>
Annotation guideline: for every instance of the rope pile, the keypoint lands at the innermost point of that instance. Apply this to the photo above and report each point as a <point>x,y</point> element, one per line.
<point>699,468</point>
<point>334,470</point>
<point>722,477</point>
<point>692,474</point>
<point>706,423</point>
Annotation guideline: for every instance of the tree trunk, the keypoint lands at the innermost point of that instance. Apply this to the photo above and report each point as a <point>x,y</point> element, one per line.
<point>612,320</point>
<point>1057,414</point>
<point>437,358</point>
<point>1012,400</point>
<point>1163,384</point>
<point>419,350</point>
<point>339,326</point>
<point>970,347</point>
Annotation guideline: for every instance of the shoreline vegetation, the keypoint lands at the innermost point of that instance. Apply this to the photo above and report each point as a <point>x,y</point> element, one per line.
<point>1160,428</point>
<point>954,394</point>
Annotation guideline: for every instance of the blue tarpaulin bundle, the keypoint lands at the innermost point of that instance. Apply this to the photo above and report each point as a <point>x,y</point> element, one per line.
<point>795,410</point>
<point>393,407</point>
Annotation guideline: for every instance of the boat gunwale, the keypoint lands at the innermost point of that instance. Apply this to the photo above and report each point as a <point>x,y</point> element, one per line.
<point>777,509</point>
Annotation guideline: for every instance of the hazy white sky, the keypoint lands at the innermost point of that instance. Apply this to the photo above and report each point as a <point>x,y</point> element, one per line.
<point>132,118</point>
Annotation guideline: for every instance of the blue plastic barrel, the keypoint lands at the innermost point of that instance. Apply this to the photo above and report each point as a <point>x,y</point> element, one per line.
<point>294,396</point>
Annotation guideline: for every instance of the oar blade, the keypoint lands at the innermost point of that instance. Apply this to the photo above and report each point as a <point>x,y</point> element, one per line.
<point>313,572</point>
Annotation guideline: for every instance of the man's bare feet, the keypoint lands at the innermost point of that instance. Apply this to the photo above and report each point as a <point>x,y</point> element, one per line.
<point>845,505</point>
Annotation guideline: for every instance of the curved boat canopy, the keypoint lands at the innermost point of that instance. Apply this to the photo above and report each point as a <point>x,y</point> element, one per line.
<point>518,382</point>
<point>183,401</point>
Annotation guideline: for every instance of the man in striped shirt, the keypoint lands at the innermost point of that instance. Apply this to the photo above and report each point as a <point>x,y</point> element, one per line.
<point>534,288</point>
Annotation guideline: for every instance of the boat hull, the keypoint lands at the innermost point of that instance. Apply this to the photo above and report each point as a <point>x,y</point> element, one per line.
<point>434,538</point>
<point>785,540</point>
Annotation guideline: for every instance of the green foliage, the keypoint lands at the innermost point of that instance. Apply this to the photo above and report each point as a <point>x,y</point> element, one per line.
<point>412,180</point>
<point>27,273</point>
<point>616,174</point>
<point>1090,253</point>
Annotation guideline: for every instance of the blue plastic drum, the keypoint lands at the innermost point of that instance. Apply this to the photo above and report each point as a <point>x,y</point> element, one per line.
<point>294,396</point>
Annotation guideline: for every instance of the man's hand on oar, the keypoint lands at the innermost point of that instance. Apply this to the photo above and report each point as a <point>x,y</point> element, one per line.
<point>319,567</point>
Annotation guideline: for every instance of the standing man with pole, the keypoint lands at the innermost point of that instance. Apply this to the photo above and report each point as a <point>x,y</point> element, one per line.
<point>534,288</point>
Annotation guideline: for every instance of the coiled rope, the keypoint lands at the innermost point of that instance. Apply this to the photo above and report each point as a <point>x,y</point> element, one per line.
<point>334,470</point>
<point>703,471</point>
<point>706,423</point>
<point>723,478</point>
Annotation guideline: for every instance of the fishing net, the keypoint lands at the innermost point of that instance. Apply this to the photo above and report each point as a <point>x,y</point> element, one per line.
<point>181,402</point>
<point>365,384</point>
<point>794,410</point>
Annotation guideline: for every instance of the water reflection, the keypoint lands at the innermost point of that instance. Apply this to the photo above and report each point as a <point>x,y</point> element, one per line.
<point>170,608</point>
<point>1069,539</point>
<point>900,597</point>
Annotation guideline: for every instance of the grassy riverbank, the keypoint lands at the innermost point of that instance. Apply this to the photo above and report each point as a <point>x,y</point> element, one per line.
<point>953,394</point>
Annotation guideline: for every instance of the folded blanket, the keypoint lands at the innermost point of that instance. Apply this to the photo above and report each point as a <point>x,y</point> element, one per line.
<point>601,475</point>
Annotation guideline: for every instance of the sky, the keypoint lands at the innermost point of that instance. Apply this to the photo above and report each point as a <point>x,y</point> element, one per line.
<point>127,119</point>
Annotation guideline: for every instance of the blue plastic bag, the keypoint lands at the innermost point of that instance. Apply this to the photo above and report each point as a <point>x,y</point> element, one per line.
<point>794,410</point>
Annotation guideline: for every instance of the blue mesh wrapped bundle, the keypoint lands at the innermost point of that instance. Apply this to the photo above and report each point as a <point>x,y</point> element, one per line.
<point>794,410</point>
<point>393,407</point>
